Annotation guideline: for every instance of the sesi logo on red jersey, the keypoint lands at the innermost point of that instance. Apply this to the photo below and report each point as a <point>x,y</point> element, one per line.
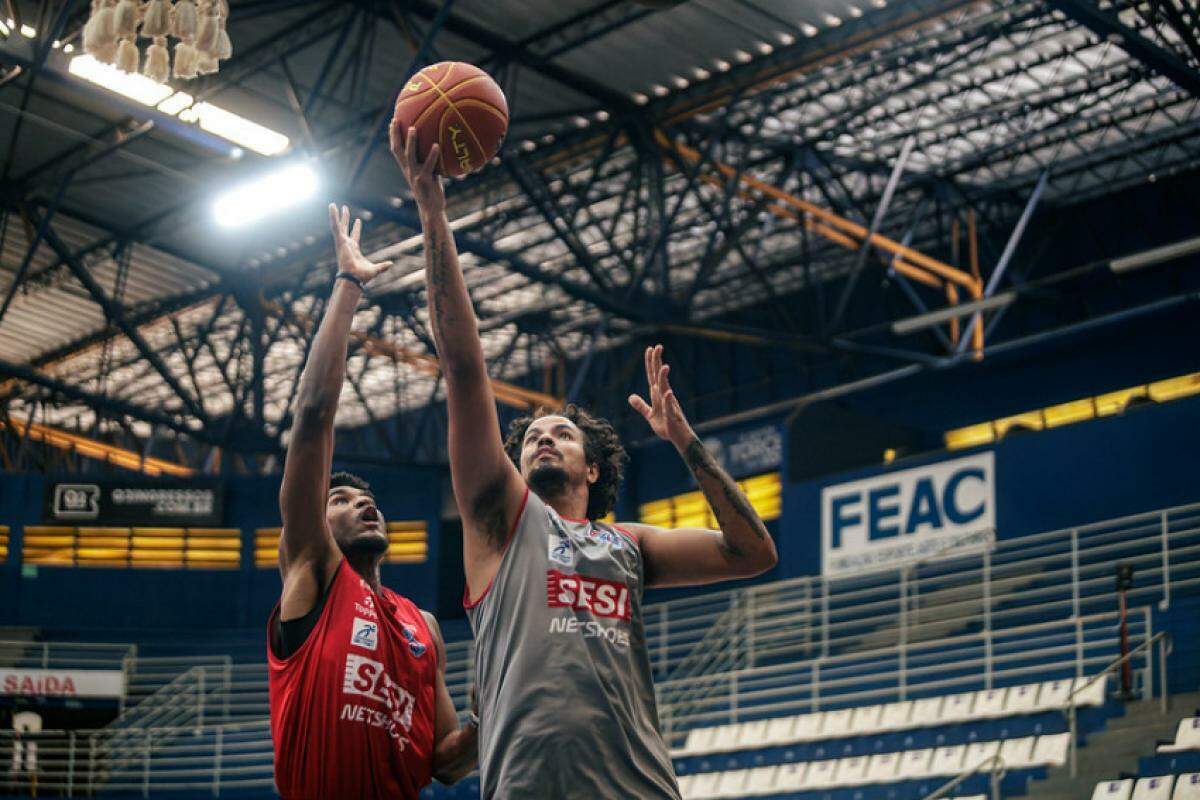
<point>603,598</point>
<point>368,678</point>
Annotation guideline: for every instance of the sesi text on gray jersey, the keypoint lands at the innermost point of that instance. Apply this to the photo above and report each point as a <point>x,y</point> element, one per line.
<point>566,704</point>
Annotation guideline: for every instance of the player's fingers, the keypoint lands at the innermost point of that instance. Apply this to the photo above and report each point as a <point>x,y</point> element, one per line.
<point>649,356</point>
<point>673,405</point>
<point>384,265</point>
<point>658,358</point>
<point>639,405</point>
<point>345,220</point>
<point>664,385</point>
<point>356,231</point>
<point>430,165</point>
<point>333,221</point>
<point>410,147</point>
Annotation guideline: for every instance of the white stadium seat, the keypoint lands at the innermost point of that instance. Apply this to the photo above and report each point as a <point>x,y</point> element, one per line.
<point>821,774</point>
<point>724,739</point>
<point>852,771</point>
<point>1052,750</point>
<point>1113,790</point>
<point>956,708</point>
<point>896,716</point>
<point>1187,787</point>
<point>753,734</point>
<point>1155,788</point>
<point>973,797</point>
<point>836,723</point>
<point>883,767</point>
<point>915,764</point>
<point>779,730</point>
<point>1053,695</point>
<point>1094,693</point>
<point>990,704</point>
<point>1022,699</point>
<point>790,778</point>
<point>704,786</point>
<point>1187,737</point>
<point>732,783</point>
<point>1018,753</point>
<point>927,711</point>
<point>698,741</point>
<point>979,752</point>
<point>761,780</point>
<point>685,785</point>
<point>948,760</point>
<point>865,720</point>
<point>808,727</point>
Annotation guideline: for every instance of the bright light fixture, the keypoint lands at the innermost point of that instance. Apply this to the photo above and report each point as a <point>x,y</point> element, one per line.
<point>211,118</point>
<point>285,188</point>
<point>4,29</point>
<point>135,87</point>
<point>236,129</point>
<point>175,103</point>
<point>29,32</point>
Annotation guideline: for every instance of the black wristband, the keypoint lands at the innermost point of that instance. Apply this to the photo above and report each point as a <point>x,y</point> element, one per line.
<point>346,276</point>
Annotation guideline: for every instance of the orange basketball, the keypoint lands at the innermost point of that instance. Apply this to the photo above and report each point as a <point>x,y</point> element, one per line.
<point>458,106</point>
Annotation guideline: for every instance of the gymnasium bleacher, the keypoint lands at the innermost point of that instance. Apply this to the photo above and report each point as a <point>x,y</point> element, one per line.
<point>762,693</point>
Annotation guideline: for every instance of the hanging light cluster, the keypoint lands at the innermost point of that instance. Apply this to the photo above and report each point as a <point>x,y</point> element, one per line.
<point>112,32</point>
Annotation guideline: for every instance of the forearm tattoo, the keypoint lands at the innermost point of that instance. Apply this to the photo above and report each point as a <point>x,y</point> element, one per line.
<point>735,516</point>
<point>439,275</point>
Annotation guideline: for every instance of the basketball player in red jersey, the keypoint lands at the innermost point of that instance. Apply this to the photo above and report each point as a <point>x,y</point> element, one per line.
<point>566,704</point>
<point>359,705</point>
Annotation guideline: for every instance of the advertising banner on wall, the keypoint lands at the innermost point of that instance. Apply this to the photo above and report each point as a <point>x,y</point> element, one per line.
<point>134,502</point>
<point>62,682</point>
<point>747,451</point>
<point>882,522</point>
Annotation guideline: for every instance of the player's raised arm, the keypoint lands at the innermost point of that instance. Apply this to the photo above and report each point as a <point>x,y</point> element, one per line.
<point>307,551</point>
<point>486,484</point>
<point>742,547</point>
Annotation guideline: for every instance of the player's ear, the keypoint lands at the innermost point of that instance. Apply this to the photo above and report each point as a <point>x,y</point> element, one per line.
<point>593,474</point>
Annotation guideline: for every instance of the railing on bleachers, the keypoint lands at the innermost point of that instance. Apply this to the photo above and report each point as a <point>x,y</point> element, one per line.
<point>1037,606</point>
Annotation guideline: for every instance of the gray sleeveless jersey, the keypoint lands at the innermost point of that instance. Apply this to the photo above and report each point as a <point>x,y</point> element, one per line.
<point>566,704</point>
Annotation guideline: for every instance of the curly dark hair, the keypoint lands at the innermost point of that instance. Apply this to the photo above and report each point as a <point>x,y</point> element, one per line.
<point>602,447</point>
<point>349,479</point>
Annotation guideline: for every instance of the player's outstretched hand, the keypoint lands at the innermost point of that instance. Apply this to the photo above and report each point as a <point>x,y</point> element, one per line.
<point>345,242</point>
<point>663,413</point>
<point>421,175</point>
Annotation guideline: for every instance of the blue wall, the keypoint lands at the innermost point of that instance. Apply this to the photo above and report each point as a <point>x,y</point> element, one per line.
<point>1146,458</point>
<point>97,598</point>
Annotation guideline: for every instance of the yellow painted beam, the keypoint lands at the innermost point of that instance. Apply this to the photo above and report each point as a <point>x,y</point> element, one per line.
<point>101,451</point>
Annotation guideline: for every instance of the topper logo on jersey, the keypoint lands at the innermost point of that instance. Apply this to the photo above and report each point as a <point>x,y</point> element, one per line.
<point>365,634</point>
<point>367,607</point>
<point>368,678</point>
<point>601,598</point>
<point>610,538</point>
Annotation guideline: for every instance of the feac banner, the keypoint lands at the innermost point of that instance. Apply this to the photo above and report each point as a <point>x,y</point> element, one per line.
<point>135,502</point>
<point>747,451</point>
<point>942,509</point>
<point>62,682</point>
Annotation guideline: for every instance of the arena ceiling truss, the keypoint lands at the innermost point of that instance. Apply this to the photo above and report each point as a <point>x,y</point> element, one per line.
<point>667,169</point>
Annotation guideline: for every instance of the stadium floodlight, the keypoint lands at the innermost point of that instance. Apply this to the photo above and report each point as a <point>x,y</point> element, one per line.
<point>236,129</point>
<point>132,85</point>
<point>285,188</point>
<point>922,321</point>
<point>1148,258</point>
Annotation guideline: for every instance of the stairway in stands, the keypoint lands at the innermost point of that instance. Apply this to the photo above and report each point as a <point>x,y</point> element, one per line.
<point>1116,749</point>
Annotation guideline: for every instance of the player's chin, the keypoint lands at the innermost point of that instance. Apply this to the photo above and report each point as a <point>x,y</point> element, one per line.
<point>367,542</point>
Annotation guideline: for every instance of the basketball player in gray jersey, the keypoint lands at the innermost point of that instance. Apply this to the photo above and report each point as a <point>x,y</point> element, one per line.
<point>566,704</point>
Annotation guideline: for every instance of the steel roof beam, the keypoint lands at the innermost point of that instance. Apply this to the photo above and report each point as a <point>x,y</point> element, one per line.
<point>1108,26</point>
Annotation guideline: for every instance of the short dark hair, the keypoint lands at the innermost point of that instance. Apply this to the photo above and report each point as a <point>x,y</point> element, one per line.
<point>602,447</point>
<point>349,479</point>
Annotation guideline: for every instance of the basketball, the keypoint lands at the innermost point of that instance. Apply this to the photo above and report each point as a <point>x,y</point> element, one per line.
<point>458,106</point>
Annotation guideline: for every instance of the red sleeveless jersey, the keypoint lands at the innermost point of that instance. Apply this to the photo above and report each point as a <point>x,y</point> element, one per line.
<point>352,711</point>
